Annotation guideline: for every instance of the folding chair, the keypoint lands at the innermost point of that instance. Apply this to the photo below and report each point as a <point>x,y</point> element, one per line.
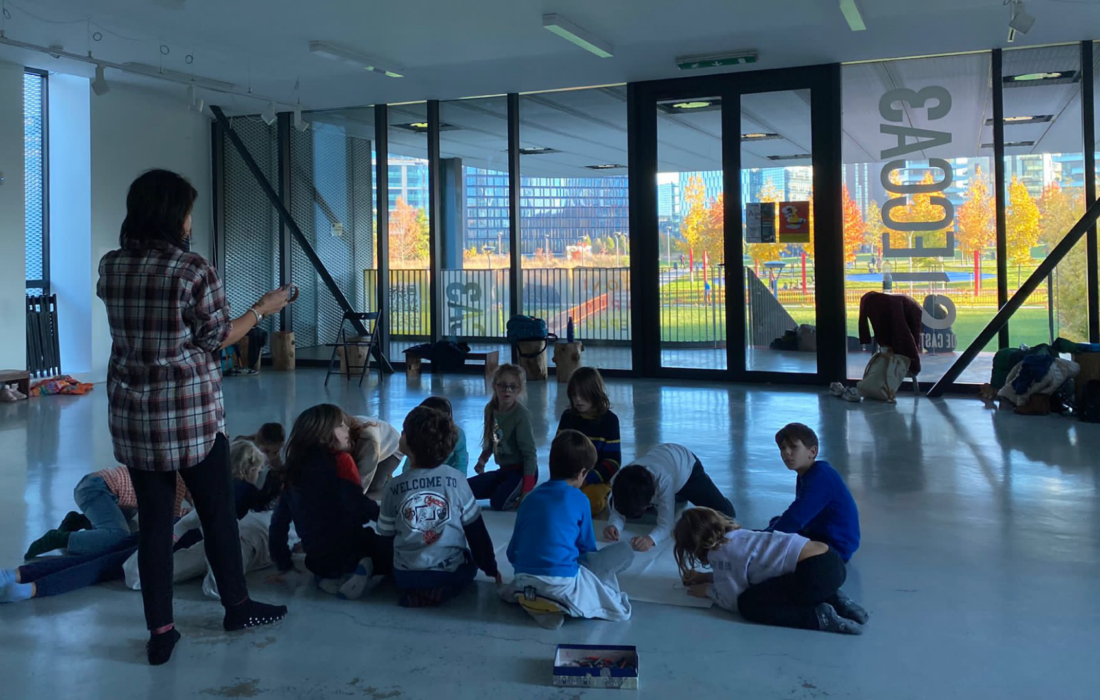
<point>370,320</point>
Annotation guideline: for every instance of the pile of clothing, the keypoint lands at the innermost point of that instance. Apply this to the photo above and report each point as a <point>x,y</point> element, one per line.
<point>1036,381</point>
<point>64,385</point>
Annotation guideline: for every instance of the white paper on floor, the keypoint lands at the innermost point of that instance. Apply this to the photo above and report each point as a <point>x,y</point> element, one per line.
<point>652,578</point>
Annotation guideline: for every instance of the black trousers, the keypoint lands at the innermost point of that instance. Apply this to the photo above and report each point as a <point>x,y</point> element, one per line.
<point>211,487</point>
<point>343,559</point>
<point>789,600</point>
<point>701,491</point>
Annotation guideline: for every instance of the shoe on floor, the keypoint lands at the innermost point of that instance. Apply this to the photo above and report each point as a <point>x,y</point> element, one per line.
<point>251,614</point>
<point>160,646</point>
<point>828,620</point>
<point>836,389</point>
<point>850,609</point>
<point>852,394</point>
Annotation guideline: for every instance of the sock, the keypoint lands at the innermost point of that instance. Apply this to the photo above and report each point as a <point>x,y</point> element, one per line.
<point>14,592</point>
<point>251,613</point>
<point>846,607</point>
<point>331,585</point>
<point>54,539</point>
<point>7,576</point>
<point>829,621</point>
<point>74,522</point>
<point>358,583</point>
<point>160,646</point>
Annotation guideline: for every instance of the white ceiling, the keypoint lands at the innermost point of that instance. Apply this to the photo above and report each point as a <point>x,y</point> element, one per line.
<point>452,49</point>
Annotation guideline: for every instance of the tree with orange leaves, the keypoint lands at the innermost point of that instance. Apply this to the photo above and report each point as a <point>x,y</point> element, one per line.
<point>854,228</point>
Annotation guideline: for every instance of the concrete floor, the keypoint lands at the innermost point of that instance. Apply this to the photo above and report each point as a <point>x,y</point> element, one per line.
<point>979,564</point>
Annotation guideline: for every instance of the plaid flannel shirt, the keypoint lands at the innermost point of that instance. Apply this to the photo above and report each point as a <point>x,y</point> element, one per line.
<point>168,317</point>
<point>118,480</point>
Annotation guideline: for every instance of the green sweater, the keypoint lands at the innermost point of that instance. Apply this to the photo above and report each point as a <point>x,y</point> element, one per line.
<point>515,443</point>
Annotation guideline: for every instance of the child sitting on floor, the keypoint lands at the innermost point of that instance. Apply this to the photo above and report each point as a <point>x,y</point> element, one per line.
<point>823,508</point>
<point>510,439</point>
<point>590,412</point>
<point>772,578</point>
<point>558,568</point>
<point>58,575</point>
<point>108,503</point>
<point>324,499</point>
<point>270,439</point>
<point>666,475</point>
<point>460,456</point>
<point>431,513</point>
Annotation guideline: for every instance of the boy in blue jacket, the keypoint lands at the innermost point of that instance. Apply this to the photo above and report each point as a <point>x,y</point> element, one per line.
<point>553,549</point>
<point>823,508</point>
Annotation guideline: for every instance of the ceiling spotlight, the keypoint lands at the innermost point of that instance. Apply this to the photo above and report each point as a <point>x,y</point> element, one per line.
<point>556,24</point>
<point>1019,20</point>
<point>99,85</point>
<point>353,58</point>
<point>268,115</point>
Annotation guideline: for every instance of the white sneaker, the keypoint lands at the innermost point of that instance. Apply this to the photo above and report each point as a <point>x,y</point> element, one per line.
<point>852,394</point>
<point>836,389</point>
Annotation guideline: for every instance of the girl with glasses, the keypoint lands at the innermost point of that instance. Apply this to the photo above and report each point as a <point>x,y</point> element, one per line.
<point>509,438</point>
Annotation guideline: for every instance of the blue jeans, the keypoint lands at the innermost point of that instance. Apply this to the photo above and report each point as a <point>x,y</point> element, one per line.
<point>452,582</point>
<point>109,522</point>
<point>57,575</point>
<point>498,486</point>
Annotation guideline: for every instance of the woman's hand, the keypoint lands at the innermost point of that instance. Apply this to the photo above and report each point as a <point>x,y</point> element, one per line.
<point>699,590</point>
<point>272,302</point>
<point>479,468</point>
<point>693,578</point>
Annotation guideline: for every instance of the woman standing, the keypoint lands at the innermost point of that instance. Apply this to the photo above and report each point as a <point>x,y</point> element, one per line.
<point>169,319</point>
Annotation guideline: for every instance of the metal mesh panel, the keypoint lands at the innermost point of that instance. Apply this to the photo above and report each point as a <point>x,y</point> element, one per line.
<point>251,223</point>
<point>34,133</point>
<point>331,200</point>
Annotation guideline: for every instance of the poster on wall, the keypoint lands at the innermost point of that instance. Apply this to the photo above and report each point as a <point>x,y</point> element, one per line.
<point>794,222</point>
<point>760,222</point>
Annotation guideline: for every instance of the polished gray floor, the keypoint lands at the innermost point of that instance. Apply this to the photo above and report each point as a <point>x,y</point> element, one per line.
<point>980,562</point>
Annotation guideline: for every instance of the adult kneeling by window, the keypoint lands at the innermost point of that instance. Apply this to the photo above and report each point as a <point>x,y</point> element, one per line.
<point>169,320</point>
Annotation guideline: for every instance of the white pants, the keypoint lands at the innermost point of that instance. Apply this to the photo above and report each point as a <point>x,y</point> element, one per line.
<point>592,593</point>
<point>191,563</point>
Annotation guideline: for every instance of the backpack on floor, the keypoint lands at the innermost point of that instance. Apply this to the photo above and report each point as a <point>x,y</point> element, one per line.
<point>883,375</point>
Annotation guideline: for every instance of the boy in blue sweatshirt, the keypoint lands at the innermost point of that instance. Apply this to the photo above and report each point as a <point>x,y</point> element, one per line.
<point>823,508</point>
<point>553,547</point>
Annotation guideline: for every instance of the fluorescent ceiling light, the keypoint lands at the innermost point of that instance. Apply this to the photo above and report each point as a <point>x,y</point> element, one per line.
<point>605,166</point>
<point>422,127</point>
<point>1012,144</point>
<point>759,136</point>
<point>198,81</point>
<point>690,105</point>
<point>1034,119</point>
<point>99,85</point>
<point>536,151</point>
<point>797,156</point>
<point>702,104</point>
<point>354,58</point>
<point>852,15</point>
<point>557,24</point>
<point>1043,78</point>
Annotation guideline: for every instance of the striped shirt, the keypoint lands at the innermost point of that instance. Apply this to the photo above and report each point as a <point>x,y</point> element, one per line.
<point>168,317</point>
<point>603,431</point>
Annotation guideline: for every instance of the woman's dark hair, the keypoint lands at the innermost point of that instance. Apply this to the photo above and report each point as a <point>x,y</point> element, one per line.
<point>156,207</point>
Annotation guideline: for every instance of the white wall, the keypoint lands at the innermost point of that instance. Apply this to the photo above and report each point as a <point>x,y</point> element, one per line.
<point>134,130</point>
<point>71,274</point>
<point>13,241</point>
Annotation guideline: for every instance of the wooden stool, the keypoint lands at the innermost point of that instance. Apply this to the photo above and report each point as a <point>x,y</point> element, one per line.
<point>282,351</point>
<point>21,379</point>
<point>567,358</point>
<point>534,366</point>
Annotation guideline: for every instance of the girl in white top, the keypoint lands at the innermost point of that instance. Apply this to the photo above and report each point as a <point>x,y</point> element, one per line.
<point>772,578</point>
<point>377,454</point>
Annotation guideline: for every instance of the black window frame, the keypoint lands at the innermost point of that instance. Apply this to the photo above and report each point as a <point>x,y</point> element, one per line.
<point>43,283</point>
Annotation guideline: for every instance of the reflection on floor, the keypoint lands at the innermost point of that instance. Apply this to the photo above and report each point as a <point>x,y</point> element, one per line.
<point>979,562</point>
<point>758,359</point>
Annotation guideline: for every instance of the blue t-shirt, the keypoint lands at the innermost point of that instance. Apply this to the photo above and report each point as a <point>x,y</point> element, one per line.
<point>823,510</point>
<point>553,529</point>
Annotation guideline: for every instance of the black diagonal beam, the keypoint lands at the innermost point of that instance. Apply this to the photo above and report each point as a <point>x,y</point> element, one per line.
<point>1037,277</point>
<point>288,222</point>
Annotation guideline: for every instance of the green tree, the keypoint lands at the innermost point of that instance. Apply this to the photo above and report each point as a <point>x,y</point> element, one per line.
<point>977,217</point>
<point>1059,210</point>
<point>695,215</point>
<point>875,227</point>
<point>408,235</point>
